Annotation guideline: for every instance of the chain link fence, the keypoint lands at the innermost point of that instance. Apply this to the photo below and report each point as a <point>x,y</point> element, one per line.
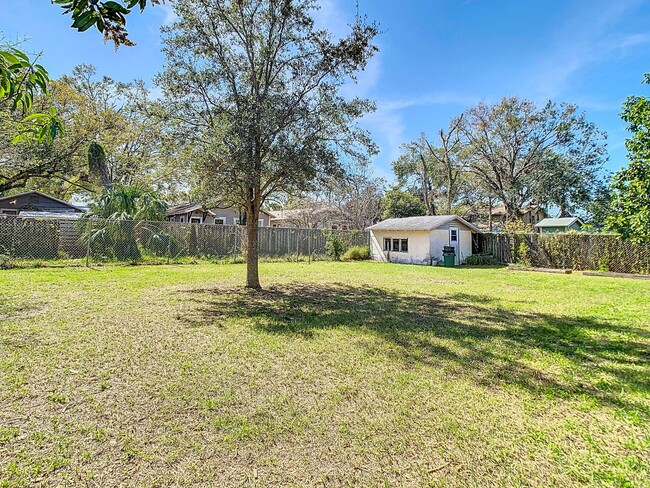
<point>93,241</point>
<point>577,251</point>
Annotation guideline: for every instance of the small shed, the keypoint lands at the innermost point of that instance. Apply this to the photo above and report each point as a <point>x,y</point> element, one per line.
<point>420,240</point>
<point>554,226</point>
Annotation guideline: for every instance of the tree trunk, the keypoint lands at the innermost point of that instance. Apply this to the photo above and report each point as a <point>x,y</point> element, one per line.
<point>490,224</point>
<point>252,243</point>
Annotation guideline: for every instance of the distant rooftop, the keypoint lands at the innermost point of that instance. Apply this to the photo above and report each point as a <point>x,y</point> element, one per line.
<point>559,222</point>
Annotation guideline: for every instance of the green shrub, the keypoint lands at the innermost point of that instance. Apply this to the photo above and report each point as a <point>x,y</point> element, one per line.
<point>5,261</point>
<point>524,253</point>
<point>334,246</point>
<point>357,253</point>
<point>481,260</point>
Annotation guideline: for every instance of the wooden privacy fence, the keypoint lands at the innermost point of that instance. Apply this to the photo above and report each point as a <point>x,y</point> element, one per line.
<point>97,240</point>
<point>578,251</point>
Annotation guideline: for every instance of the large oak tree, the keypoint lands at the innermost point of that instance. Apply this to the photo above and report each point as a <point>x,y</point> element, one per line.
<point>523,153</point>
<point>253,86</point>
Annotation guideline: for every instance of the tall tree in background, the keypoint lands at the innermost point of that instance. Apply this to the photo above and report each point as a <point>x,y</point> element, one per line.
<point>358,198</point>
<point>448,156</point>
<point>436,170</point>
<point>631,186</point>
<point>398,203</point>
<point>253,85</point>
<point>516,146</point>
<point>416,173</point>
<point>111,137</point>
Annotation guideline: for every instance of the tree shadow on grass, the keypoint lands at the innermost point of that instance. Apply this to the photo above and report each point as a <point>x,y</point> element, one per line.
<point>464,334</point>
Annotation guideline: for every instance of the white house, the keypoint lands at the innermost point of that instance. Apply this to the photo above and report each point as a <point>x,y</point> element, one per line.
<point>420,240</point>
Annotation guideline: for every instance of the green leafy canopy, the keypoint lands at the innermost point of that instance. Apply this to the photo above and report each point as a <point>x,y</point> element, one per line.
<point>109,17</point>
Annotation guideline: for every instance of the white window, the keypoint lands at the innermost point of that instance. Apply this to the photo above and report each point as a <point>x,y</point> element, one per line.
<point>260,222</point>
<point>453,235</point>
<point>196,220</point>
<point>7,211</point>
<point>396,245</point>
<point>182,219</point>
<point>220,221</point>
<point>235,221</point>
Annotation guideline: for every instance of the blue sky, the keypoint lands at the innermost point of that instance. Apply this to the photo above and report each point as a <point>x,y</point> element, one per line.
<point>437,57</point>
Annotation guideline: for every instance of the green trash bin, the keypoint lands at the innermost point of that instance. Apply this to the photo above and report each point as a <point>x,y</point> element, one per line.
<point>449,256</point>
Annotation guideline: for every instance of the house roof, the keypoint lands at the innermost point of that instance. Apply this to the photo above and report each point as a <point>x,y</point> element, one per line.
<point>559,222</point>
<point>185,208</point>
<point>427,223</point>
<point>36,192</point>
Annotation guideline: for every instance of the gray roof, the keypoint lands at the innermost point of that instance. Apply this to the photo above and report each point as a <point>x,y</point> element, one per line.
<point>44,195</point>
<point>427,223</point>
<point>559,222</point>
<point>185,208</point>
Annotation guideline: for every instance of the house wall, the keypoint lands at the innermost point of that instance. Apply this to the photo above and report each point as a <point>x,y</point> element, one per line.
<point>228,214</point>
<point>533,216</point>
<point>440,238</point>
<point>33,202</point>
<point>419,247</point>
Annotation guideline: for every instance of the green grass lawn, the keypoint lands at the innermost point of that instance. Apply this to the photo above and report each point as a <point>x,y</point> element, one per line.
<point>338,374</point>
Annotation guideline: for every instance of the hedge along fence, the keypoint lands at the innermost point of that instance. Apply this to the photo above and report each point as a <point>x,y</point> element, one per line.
<point>578,251</point>
<point>98,240</point>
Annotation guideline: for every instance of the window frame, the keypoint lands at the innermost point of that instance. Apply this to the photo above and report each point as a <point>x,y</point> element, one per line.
<point>200,220</point>
<point>222,221</point>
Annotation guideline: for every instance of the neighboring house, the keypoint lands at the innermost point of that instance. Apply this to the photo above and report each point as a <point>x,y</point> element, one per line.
<point>321,217</point>
<point>420,240</point>
<point>554,226</point>
<point>196,214</point>
<point>36,204</point>
<point>531,215</point>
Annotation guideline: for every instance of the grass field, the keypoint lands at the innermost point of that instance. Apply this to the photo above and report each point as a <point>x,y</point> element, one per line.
<point>338,374</point>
